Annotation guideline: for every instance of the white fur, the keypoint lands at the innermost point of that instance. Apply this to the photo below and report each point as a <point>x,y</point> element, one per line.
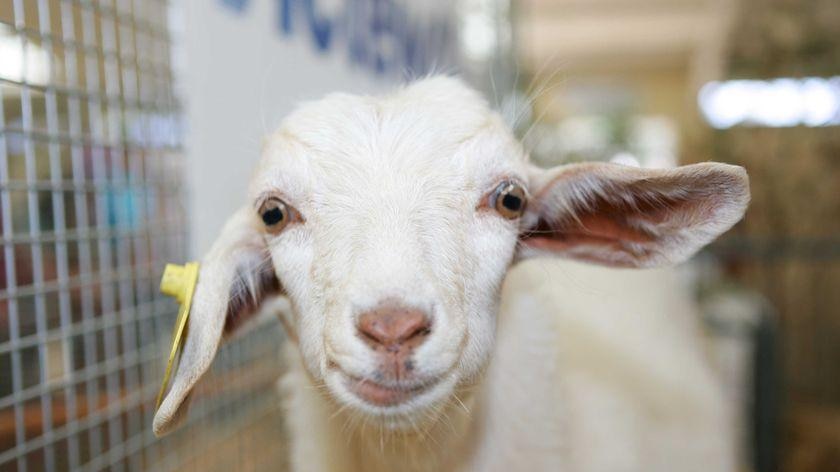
<point>391,192</point>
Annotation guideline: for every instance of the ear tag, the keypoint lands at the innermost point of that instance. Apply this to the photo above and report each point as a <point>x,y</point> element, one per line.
<point>179,283</point>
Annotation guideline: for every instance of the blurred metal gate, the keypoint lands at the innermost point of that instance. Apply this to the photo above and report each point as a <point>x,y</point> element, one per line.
<point>91,209</point>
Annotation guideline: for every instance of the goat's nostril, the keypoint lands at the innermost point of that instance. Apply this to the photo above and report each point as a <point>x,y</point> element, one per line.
<point>394,327</point>
<point>370,338</point>
<point>419,333</point>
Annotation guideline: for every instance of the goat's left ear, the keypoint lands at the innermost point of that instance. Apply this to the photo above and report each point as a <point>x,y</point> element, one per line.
<point>629,217</point>
<point>235,277</point>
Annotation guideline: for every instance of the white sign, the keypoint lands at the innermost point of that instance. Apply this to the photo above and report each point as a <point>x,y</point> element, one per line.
<point>246,63</point>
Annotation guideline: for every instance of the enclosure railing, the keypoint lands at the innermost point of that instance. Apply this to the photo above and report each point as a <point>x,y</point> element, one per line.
<point>91,206</point>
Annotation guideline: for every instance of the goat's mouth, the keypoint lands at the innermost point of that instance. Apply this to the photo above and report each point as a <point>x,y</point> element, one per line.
<point>383,395</point>
<point>386,399</point>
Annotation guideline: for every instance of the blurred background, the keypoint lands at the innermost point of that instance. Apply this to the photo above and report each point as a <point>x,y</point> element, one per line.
<point>129,128</point>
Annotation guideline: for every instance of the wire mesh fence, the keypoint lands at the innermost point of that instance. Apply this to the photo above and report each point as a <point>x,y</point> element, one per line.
<point>91,194</point>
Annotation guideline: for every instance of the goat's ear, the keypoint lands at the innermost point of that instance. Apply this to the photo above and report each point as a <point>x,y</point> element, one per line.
<point>630,217</point>
<point>235,277</point>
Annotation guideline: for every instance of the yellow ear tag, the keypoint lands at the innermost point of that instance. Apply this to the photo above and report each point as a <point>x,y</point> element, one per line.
<point>178,282</point>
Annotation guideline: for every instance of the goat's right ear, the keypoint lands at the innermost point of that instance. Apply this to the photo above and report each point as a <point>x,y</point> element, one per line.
<point>235,277</point>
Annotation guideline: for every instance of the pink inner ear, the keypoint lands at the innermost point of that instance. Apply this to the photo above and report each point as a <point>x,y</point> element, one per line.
<point>620,227</point>
<point>592,230</point>
<point>589,228</point>
<point>245,298</point>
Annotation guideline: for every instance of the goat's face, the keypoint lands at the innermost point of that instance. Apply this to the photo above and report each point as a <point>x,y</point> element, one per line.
<point>390,224</point>
<point>397,239</point>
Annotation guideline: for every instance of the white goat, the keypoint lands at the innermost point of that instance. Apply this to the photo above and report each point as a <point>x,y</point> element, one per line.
<point>390,223</point>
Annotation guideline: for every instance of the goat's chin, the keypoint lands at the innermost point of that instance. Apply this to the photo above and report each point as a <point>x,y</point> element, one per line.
<point>395,408</point>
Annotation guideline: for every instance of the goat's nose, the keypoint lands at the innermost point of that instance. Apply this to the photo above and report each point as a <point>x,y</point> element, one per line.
<point>394,328</point>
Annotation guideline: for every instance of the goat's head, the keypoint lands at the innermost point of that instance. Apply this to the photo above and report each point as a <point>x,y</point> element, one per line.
<point>390,224</point>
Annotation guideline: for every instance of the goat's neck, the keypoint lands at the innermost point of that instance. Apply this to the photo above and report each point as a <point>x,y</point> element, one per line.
<point>432,445</point>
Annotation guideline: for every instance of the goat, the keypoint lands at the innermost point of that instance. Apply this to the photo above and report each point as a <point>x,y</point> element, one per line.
<point>390,224</point>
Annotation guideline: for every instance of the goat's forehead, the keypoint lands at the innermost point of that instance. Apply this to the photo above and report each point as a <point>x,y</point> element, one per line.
<point>439,107</point>
<point>411,140</point>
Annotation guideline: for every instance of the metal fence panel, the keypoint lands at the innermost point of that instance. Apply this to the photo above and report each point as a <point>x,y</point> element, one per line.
<point>91,206</point>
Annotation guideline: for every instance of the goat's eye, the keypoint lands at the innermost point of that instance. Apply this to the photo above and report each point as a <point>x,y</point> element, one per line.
<point>509,199</point>
<point>275,214</point>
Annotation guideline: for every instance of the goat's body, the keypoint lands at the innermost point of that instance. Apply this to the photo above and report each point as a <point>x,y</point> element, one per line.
<point>390,223</point>
<point>594,370</point>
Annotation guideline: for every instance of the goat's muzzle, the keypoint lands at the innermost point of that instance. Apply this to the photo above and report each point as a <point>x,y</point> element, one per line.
<point>393,332</point>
